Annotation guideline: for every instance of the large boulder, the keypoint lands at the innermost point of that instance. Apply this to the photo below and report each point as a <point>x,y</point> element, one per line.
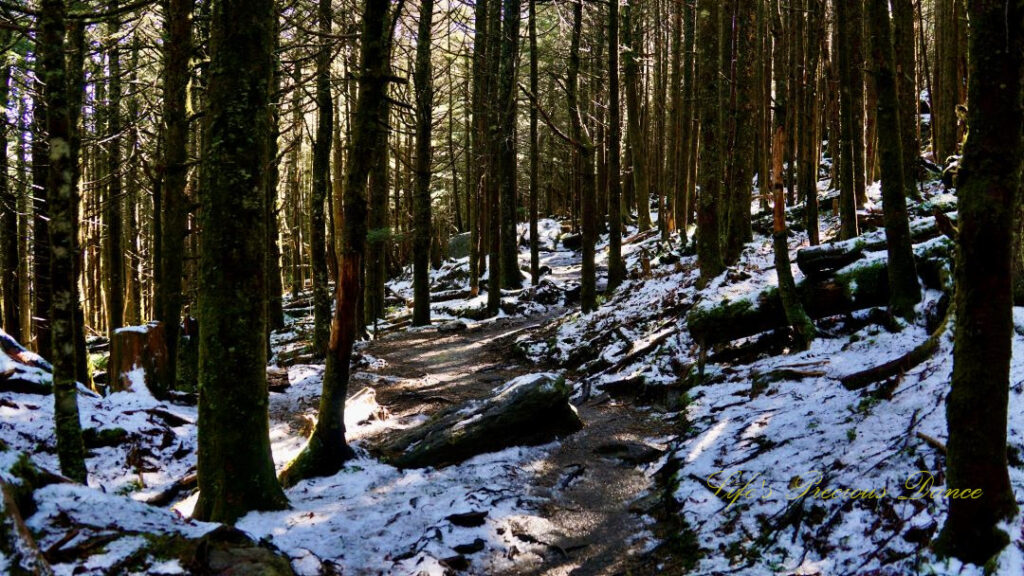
<point>527,411</point>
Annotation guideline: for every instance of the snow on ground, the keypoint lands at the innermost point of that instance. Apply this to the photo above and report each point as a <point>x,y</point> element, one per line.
<point>760,447</point>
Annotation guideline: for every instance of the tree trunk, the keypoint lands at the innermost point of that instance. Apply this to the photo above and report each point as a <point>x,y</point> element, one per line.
<point>989,180</point>
<point>534,152</point>
<point>511,277</point>
<point>848,121</point>
<point>321,183</point>
<point>234,440</point>
<point>63,205</point>
<point>904,290</point>
<point>709,254</point>
<point>113,213</point>
<point>174,211</point>
<point>745,126</point>
<point>421,199</point>
<point>906,86</point>
<point>41,287</point>
<point>616,268</point>
<point>327,449</point>
<point>634,126</point>
<point>9,280</point>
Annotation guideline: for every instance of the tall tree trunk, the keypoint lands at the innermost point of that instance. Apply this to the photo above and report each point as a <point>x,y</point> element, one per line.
<point>41,287</point>
<point>906,85</point>
<point>690,125</point>
<point>709,253</point>
<point>796,316</point>
<point>478,148</point>
<point>9,280</point>
<point>634,127</point>
<point>234,437</point>
<point>63,205</point>
<point>745,125</point>
<point>275,287</point>
<point>511,277</point>
<point>904,289</point>
<point>534,152</point>
<point>421,198</point>
<point>848,124</point>
<point>113,213</point>
<point>75,48</point>
<point>492,190</point>
<point>584,165</point>
<point>327,449</point>
<point>989,181</point>
<point>173,210</point>
<point>616,268</point>
<point>808,117</point>
<point>321,182</point>
<point>946,97</point>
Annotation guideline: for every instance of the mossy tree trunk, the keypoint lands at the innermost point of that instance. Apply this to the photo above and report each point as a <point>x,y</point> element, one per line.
<point>236,470</point>
<point>796,316</point>
<point>709,253</point>
<point>63,207</point>
<point>583,165</point>
<point>904,289</point>
<point>326,451</point>
<point>989,181</point>
<point>177,49</point>
<point>321,182</point>
<point>421,198</point>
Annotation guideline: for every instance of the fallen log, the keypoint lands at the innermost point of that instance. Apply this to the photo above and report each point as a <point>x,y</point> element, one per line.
<point>863,284</point>
<point>527,411</point>
<point>835,255</point>
<point>897,366</point>
<point>22,371</point>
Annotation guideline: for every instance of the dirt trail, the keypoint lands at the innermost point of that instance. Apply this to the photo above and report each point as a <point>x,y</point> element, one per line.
<point>589,484</point>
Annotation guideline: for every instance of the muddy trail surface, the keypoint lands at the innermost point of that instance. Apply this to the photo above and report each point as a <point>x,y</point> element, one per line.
<point>594,485</point>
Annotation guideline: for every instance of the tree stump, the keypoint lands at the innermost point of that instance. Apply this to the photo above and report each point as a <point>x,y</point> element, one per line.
<point>139,347</point>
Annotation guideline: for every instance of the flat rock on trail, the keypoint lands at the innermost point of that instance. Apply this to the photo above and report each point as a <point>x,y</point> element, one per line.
<point>590,483</point>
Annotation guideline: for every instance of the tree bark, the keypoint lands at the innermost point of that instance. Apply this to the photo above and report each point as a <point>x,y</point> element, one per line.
<point>511,277</point>
<point>327,449</point>
<point>616,268</point>
<point>634,127</point>
<point>421,198</point>
<point>173,213</point>
<point>63,205</point>
<point>113,212</point>
<point>904,290</point>
<point>234,440</point>
<point>709,254</point>
<point>989,180</point>
<point>321,182</point>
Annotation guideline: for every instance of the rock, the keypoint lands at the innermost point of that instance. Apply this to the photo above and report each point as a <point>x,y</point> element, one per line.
<point>452,327</point>
<point>572,242</point>
<point>527,411</point>
<point>468,519</point>
<point>227,551</point>
<point>277,379</point>
<point>471,548</point>
<point>458,245</point>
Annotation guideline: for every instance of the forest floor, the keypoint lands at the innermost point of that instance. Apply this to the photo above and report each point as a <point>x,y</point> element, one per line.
<point>656,482</point>
<point>587,485</point>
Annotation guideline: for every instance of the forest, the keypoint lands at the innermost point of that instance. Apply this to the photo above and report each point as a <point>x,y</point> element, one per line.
<point>547,287</point>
